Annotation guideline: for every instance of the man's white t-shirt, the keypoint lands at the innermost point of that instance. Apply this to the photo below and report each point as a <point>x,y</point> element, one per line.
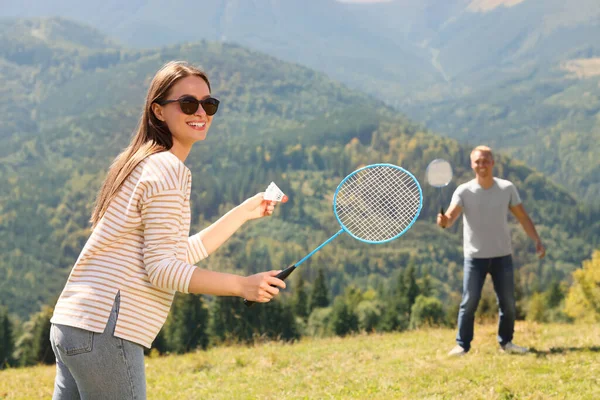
<point>485,211</point>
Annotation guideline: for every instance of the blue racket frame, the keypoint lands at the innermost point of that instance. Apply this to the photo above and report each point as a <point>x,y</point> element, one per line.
<point>374,166</point>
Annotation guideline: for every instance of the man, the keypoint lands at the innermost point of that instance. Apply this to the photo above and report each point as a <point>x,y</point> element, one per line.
<point>485,202</point>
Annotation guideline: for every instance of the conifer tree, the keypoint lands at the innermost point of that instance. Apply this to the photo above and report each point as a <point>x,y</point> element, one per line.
<point>319,296</point>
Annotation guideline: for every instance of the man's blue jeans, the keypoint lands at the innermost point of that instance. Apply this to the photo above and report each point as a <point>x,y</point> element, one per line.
<point>475,272</point>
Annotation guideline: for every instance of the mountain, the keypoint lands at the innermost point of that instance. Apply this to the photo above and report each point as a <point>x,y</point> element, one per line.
<point>322,34</point>
<point>519,75</point>
<point>74,109</point>
<point>528,85</point>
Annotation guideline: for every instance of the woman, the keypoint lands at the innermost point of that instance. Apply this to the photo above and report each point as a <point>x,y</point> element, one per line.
<point>120,290</point>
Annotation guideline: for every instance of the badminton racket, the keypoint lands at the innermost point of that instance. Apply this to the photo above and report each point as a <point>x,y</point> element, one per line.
<point>439,175</point>
<point>374,204</point>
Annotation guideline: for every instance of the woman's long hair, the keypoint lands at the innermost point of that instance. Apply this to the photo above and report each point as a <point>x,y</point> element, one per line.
<point>152,136</point>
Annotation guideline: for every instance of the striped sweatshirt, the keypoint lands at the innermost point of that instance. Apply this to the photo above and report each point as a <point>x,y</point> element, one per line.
<point>141,248</point>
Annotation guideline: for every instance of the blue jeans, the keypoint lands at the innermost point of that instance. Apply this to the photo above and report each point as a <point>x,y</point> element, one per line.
<point>475,272</point>
<point>97,365</point>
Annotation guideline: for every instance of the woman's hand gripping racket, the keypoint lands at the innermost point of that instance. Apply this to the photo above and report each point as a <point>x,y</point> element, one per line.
<point>374,204</point>
<point>439,175</point>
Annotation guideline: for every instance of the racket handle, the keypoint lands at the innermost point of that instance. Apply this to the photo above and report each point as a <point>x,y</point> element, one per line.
<point>442,212</point>
<point>282,275</point>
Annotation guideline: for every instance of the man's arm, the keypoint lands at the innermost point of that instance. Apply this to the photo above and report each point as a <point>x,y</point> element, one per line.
<point>450,216</point>
<point>523,218</point>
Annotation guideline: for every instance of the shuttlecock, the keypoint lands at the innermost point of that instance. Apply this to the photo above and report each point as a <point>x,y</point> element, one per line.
<point>273,193</point>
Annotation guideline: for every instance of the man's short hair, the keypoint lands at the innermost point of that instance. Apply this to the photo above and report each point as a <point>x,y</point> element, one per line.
<point>483,149</point>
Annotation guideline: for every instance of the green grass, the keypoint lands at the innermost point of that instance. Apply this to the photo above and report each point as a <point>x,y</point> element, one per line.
<point>564,363</point>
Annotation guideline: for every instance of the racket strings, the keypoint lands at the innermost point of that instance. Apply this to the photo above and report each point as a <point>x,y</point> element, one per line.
<point>378,203</point>
<point>385,202</point>
<point>377,225</point>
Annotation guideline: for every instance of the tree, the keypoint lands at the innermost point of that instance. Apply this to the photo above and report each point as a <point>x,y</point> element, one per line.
<point>425,288</point>
<point>159,345</point>
<point>300,299</point>
<point>487,309</point>
<point>41,337</point>
<point>232,321</point>
<point>410,283</point>
<point>277,321</point>
<point>33,346</point>
<point>6,339</point>
<point>395,315</point>
<point>427,311</point>
<point>369,315</point>
<point>319,322</point>
<point>319,296</point>
<point>224,319</point>
<point>343,319</point>
<point>186,327</point>
<point>554,295</point>
<point>583,298</point>
<point>536,310</point>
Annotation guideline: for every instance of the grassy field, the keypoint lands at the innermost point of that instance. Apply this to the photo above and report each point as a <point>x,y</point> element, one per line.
<point>564,364</point>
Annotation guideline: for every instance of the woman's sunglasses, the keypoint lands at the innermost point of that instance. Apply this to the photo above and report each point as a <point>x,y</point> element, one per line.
<point>189,104</point>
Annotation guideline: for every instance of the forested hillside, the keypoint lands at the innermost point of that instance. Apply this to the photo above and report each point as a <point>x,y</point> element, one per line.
<point>71,108</point>
<point>521,75</point>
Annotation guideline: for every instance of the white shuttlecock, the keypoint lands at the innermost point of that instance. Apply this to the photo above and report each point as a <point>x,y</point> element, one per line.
<point>273,193</point>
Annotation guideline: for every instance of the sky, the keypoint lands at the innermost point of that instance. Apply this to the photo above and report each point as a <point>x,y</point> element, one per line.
<point>364,1</point>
